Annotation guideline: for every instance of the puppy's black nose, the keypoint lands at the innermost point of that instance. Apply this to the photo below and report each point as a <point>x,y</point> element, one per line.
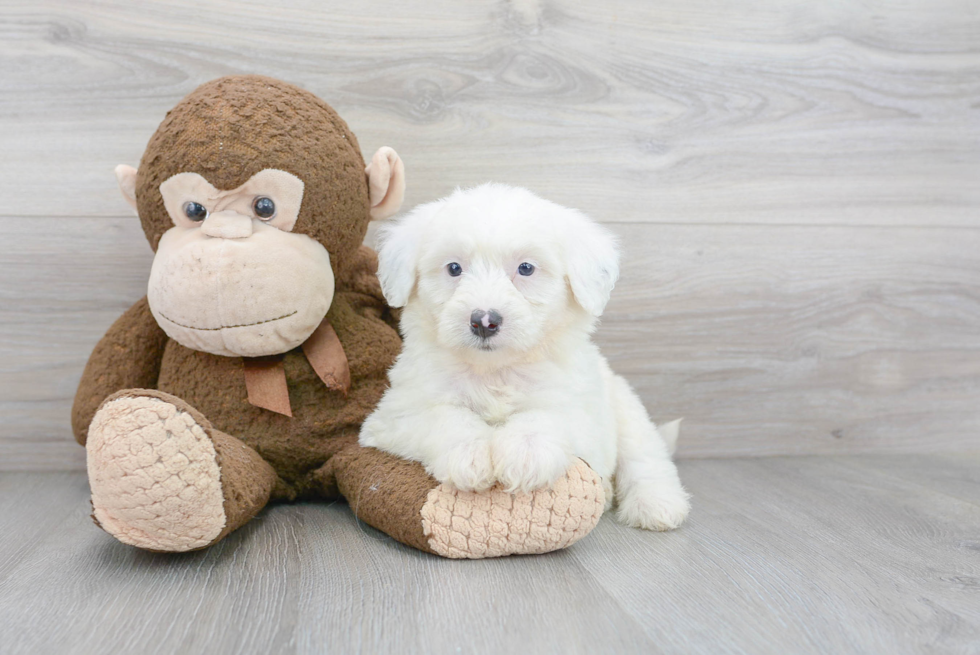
<point>485,324</point>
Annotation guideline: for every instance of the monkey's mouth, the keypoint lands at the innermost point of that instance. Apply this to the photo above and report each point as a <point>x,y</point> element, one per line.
<point>229,327</point>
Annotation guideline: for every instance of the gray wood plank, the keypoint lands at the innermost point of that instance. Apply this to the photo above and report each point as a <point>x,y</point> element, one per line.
<point>702,111</point>
<point>448,606</point>
<point>768,339</point>
<point>797,340</point>
<point>305,578</point>
<point>818,555</point>
<point>802,555</point>
<point>38,505</point>
<point>62,286</point>
<point>957,477</point>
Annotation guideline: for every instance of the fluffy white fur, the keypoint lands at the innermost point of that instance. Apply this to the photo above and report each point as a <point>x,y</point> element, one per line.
<point>516,407</point>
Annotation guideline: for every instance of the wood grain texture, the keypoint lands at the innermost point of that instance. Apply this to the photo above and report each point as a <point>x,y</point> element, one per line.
<point>62,287</point>
<point>703,111</point>
<point>802,340</point>
<point>820,554</point>
<point>802,555</point>
<point>795,186</point>
<point>809,339</point>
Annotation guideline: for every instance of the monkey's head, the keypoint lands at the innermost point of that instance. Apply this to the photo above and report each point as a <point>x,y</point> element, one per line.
<point>254,195</point>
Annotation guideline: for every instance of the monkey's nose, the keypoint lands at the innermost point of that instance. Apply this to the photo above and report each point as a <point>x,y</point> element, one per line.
<point>485,324</point>
<point>228,224</point>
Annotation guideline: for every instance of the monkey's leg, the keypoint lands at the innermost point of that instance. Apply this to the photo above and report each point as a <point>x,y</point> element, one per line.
<point>164,479</point>
<point>398,497</point>
<point>128,356</point>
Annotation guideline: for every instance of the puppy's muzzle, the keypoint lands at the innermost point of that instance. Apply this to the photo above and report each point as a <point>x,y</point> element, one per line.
<point>485,324</point>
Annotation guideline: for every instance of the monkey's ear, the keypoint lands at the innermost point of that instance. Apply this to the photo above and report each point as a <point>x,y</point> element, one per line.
<point>126,176</point>
<point>386,182</point>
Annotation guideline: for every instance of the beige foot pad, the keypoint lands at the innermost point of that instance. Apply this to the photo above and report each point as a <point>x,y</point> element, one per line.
<point>470,525</point>
<point>155,479</point>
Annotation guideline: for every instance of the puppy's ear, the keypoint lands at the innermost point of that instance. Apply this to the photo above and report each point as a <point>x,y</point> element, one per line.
<point>398,254</point>
<point>592,260</point>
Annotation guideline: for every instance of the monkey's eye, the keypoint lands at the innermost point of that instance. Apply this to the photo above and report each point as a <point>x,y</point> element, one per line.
<point>264,208</point>
<point>195,211</point>
<point>525,269</point>
<point>454,269</point>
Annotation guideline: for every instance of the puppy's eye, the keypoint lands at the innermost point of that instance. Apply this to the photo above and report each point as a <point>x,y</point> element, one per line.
<point>454,269</point>
<point>264,208</point>
<point>195,211</point>
<point>525,269</point>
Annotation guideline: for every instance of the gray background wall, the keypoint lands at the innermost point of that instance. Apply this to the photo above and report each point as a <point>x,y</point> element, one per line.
<point>797,187</point>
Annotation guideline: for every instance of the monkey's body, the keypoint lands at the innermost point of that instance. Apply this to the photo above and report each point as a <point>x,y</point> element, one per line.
<point>306,451</point>
<point>323,422</point>
<point>178,454</point>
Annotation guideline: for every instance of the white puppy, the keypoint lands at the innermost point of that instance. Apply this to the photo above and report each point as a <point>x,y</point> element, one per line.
<point>499,380</point>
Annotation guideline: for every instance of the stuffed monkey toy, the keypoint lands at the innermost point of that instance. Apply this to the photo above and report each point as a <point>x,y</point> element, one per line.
<point>244,375</point>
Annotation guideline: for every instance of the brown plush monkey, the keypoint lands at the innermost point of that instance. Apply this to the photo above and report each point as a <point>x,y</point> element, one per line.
<point>263,342</point>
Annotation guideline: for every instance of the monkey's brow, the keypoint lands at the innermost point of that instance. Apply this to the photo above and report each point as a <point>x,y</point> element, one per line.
<point>228,327</point>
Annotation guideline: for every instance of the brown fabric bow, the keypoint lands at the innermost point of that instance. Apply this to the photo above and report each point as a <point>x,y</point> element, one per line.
<point>265,377</point>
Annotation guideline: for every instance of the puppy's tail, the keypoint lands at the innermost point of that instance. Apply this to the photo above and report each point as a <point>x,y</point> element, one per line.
<point>670,431</point>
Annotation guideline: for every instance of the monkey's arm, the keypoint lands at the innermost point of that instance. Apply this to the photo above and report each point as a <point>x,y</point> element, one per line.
<point>127,357</point>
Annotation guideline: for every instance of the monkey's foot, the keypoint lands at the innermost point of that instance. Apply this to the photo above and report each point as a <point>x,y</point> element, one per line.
<point>494,523</point>
<point>164,479</point>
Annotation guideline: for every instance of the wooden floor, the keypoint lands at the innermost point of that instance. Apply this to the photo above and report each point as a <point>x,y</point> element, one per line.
<point>856,554</point>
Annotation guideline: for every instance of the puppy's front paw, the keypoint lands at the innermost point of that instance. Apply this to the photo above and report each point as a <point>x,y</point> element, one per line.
<point>654,507</point>
<point>466,466</point>
<point>525,459</point>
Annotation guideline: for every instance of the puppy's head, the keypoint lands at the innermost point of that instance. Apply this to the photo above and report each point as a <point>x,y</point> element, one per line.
<point>495,272</point>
